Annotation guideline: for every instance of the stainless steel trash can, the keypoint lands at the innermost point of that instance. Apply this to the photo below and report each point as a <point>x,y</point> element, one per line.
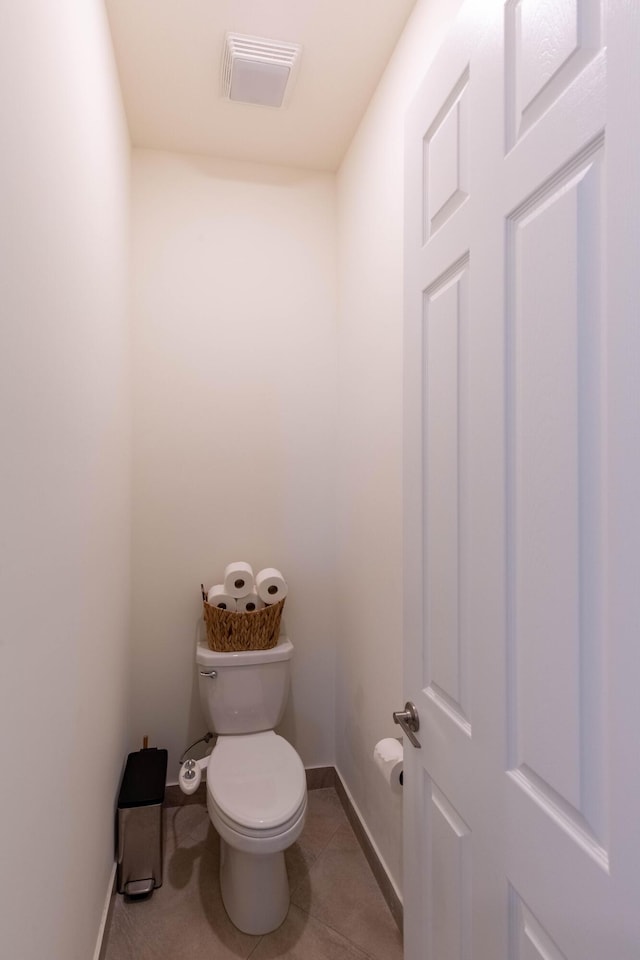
<point>139,826</point>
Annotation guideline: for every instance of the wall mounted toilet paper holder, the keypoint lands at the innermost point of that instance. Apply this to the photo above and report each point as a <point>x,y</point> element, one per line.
<point>409,721</point>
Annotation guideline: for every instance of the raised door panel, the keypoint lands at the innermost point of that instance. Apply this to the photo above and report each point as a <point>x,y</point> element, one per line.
<point>445,334</point>
<point>548,43</point>
<point>556,689</point>
<point>450,880</point>
<point>446,160</point>
<point>528,940</point>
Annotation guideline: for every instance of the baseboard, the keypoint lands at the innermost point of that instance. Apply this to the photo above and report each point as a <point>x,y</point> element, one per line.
<point>106,914</point>
<point>320,777</point>
<point>374,858</point>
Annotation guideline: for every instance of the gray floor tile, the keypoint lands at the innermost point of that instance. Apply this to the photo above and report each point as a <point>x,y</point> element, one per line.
<point>302,938</point>
<point>299,862</point>
<point>184,822</point>
<point>337,910</point>
<point>184,917</point>
<point>342,893</point>
<point>324,817</point>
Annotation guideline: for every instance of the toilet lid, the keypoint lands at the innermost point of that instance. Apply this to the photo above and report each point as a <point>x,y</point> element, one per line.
<point>256,779</point>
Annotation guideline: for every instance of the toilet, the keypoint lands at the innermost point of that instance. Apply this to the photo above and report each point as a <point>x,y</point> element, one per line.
<point>256,783</point>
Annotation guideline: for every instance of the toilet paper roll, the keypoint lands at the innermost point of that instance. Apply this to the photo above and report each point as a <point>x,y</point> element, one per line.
<point>238,579</point>
<point>271,585</point>
<point>249,603</point>
<point>218,597</point>
<point>389,756</point>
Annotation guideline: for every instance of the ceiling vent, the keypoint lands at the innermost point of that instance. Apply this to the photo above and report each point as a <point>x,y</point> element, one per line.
<point>258,71</point>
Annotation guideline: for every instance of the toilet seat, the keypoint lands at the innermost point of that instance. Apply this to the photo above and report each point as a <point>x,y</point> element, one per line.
<point>259,834</point>
<point>260,843</point>
<point>256,784</point>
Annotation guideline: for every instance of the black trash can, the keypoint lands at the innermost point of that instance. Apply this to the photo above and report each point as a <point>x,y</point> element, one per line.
<point>139,827</point>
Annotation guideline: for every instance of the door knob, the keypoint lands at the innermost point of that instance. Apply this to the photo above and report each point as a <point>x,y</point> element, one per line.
<point>409,721</point>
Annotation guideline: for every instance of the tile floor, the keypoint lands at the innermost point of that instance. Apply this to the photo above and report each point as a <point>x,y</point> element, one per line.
<point>337,911</point>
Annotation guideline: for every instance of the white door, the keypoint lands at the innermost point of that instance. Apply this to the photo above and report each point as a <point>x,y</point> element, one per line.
<point>522,487</point>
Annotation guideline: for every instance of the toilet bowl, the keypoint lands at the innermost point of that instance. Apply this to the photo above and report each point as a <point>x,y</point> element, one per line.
<point>257,802</point>
<point>256,783</point>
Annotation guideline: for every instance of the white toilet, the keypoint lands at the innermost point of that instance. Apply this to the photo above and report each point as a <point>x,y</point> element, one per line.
<point>256,783</point>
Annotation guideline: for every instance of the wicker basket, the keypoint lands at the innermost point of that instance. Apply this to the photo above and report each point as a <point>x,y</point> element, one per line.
<point>228,631</point>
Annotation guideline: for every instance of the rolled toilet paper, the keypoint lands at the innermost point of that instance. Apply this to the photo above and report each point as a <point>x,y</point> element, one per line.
<point>271,585</point>
<point>218,597</point>
<point>389,757</point>
<point>238,579</point>
<point>249,603</point>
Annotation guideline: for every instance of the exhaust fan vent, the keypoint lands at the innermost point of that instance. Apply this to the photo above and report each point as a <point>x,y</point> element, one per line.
<point>256,70</point>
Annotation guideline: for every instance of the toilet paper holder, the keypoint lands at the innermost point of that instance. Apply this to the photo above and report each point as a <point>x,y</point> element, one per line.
<point>409,720</point>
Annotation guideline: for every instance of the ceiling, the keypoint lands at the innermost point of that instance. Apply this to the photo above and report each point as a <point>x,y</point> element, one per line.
<point>169,57</point>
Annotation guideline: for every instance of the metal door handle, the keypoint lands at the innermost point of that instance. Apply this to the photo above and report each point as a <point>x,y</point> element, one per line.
<point>211,674</point>
<point>409,721</point>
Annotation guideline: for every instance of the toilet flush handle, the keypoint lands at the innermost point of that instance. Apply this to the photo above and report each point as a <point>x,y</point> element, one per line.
<point>211,674</point>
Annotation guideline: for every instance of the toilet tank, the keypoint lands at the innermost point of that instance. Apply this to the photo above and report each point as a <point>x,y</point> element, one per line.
<point>249,691</point>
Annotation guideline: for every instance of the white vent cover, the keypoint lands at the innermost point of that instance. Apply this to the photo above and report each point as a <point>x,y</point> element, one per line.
<point>256,70</point>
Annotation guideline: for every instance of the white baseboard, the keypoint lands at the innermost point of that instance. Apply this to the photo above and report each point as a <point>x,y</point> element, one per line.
<point>105,912</point>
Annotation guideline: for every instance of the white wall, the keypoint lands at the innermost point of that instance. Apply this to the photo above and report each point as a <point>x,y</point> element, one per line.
<point>234,338</point>
<point>369,653</point>
<point>64,448</point>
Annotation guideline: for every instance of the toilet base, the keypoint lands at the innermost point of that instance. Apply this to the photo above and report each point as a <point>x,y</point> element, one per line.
<point>255,889</point>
